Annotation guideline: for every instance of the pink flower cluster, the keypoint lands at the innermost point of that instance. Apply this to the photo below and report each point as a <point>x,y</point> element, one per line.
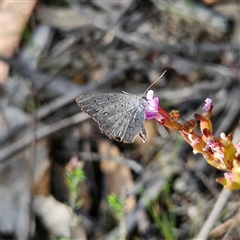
<point>218,152</point>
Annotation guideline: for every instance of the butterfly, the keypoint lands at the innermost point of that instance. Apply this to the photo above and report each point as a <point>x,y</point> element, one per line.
<point>120,116</point>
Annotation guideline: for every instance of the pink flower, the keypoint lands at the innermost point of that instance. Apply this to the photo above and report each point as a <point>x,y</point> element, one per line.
<point>238,148</point>
<point>210,144</point>
<point>207,105</point>
<point>152,107</point>
<point>229,176</point>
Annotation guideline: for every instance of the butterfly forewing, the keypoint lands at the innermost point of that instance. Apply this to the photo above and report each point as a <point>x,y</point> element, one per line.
<point>120,116</point>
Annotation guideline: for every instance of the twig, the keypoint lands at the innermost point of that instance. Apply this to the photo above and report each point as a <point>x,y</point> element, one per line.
<point>207,183</point>
<point>180,63</point>
<point>132,164</point>
<point>223,228</point>
<point>232,109</point>
<point>212,21</point>
<point>141,42</point>
<point>40,134</point>
<point>218,207</point>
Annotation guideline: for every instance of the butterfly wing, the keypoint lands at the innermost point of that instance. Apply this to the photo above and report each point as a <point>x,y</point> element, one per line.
<point>120,116</point>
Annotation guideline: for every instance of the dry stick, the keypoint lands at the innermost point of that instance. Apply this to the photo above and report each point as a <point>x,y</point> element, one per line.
<point>221,229</point>
<point>207,183</point>
<point>141,42</point>
<point>212,21</point>
<point>216,69</point>
<point>232,109</point>
<point>40,134</point>
<point>132,164</point>
<point>222,199</point>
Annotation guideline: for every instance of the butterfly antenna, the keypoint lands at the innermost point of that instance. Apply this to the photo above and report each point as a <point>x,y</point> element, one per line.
<point>154,82</point>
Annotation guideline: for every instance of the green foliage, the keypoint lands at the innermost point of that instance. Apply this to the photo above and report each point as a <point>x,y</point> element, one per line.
<point>166,220</point>
<point>115,205</point>
<point>74,179</point>
<point>27,35</point>
<point>55,238</point>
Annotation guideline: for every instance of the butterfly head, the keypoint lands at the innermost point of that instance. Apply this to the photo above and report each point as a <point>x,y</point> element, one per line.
<point>152,103</point>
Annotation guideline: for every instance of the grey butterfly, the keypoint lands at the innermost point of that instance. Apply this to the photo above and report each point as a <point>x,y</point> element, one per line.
<point>120,116</point>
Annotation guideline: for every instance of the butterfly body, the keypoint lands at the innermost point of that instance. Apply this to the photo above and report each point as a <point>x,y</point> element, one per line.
<point>119,115</point>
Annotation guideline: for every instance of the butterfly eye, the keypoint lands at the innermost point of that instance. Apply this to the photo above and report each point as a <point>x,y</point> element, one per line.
<point>118,139</point>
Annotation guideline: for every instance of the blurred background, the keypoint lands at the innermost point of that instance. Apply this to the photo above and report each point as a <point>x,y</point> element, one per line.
<point>61,178</point>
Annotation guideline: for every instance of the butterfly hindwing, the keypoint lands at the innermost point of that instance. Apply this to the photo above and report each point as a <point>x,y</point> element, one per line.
<point>123,128</point>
